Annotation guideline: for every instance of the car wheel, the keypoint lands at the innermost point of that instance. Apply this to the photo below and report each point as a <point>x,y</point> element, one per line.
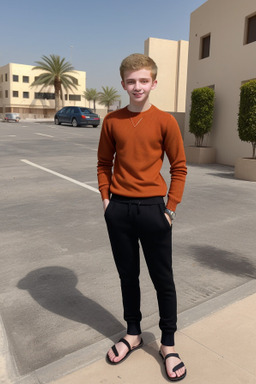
<point>56,121</point>
<point>74,123</point>
<point>95,125</point>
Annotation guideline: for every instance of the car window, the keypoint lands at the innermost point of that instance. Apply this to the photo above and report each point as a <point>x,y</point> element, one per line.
<point>68,111</point>
<point>63,110</point>
<point>71,111</point>
<point>86,110</point>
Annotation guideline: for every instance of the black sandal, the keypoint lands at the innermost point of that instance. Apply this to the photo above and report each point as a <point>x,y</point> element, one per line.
<point>178,366</point>
<point>130,350</point>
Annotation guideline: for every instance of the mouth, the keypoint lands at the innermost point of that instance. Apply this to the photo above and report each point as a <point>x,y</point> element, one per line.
<point>137,94</point>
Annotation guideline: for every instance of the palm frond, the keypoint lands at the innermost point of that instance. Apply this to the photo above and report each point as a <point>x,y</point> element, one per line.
<point>57,72</point>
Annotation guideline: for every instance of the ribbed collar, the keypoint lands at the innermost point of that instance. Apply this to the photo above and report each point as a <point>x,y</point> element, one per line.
<point>135,114</point>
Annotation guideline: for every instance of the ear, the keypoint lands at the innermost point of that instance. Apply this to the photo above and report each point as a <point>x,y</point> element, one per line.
<point>154,84</point>
<point>123,85</point>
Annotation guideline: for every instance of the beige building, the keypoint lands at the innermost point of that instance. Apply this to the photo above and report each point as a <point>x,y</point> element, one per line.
<point>222,54</point>
<point>171,58</point>
<point>17,94</point>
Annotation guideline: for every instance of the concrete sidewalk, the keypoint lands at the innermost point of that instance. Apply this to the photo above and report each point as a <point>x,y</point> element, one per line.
<point>219,349</point>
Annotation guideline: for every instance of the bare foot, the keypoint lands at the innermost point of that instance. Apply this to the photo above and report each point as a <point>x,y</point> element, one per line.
<point>122,349</point>
<point>171,362</point>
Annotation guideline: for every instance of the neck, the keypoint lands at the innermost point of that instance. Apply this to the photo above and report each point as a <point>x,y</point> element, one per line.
<point>139,108</point>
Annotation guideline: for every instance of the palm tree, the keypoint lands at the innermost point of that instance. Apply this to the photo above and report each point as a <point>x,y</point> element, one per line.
<point>56,72</point>
<point>91,95</point>
<point>108,96</point>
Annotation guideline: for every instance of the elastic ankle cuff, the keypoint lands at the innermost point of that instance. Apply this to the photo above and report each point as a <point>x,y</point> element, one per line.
<point>133,329</point>
<point>167,339</point>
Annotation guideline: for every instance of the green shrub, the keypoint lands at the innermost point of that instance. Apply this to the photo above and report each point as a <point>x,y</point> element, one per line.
<point>201,114</point>
<point>247,114</point>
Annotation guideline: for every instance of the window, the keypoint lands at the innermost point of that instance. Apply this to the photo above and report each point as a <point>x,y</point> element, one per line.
<point>63,110</point>
<point>75,81</point>
<point>250,31</point>
<point>44,95</point>
<point>1,94</point>
<point>6,77</point>
<point>75,97</point>
<point>6,94</point>
<point>205,46</point>
<point>15,77</point>
<point>15,93</point>
<point>25,79</point>
<point>25,95</point>
<point>85,110</point>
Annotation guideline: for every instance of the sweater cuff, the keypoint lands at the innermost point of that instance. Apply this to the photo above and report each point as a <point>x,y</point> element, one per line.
<point>171,205</point>
<point>105,194</point>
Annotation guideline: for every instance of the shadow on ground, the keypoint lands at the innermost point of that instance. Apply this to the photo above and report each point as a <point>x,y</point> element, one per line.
<point>223,175</point>
<point>54,288</point>
<point>224,261</point>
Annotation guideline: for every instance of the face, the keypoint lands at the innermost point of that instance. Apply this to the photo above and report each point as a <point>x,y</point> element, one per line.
<point>138,85</point>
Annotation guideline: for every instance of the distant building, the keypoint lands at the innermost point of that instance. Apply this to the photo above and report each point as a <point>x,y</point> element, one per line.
<point>17,94</point>
<point>171,58</point>
<point>222,55</point>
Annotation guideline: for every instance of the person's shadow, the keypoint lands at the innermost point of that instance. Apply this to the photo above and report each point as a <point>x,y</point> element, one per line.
<point>54,288</point>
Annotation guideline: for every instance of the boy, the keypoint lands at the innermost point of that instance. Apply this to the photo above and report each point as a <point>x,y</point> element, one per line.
<point>133,141</point>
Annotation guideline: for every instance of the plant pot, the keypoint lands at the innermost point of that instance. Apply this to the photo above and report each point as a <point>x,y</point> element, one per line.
<point>200,155</point>
<point>245,169</point>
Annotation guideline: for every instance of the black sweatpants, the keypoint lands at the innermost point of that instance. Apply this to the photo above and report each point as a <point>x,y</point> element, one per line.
<point>128,221</point>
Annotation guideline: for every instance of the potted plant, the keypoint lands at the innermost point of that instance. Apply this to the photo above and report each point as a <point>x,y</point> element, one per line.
<point>200,124</point>
<point>245,168</point>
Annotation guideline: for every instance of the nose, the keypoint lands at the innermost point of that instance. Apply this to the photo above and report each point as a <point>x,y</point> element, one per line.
<point>137,86</point>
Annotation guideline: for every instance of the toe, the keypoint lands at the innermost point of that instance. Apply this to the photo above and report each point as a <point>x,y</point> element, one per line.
<point>111,355</point>
<point>121,350</point>
<point>180,372</point>
<point>171,363</point>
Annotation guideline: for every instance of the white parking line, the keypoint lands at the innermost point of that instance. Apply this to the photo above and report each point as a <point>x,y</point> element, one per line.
<point>82,145</point>
<point>42,134</point>
<point>60,175</point>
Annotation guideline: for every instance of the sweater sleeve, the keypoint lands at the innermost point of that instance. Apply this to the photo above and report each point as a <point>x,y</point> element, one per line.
<point>106,151</point>
<point>174,148</point>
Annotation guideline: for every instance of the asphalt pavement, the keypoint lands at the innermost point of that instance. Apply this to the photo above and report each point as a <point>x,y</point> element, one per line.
<point>60,302</point>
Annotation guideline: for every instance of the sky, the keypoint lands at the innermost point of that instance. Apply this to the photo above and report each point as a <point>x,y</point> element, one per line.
<point>94,36</point>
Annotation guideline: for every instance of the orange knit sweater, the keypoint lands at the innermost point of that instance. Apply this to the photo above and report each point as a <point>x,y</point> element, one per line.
<point>131,152</point>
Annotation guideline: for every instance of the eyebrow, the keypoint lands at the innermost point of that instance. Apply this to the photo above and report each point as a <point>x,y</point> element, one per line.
<point>141,78</point>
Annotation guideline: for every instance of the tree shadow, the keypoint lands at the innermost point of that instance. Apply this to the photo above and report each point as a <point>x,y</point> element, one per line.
<point>223,175</point>
<point>54,288</point>
<point>224,261</point>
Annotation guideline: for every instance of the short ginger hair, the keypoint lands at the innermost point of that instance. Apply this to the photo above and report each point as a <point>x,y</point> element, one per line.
<point>137,61</point>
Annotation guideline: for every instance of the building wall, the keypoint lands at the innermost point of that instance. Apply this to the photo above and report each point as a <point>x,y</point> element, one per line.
<point>231,62</point>
<point>26,104</point>
<point>171,58</point>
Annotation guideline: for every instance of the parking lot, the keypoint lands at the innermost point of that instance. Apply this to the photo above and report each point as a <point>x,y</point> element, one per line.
<point>59,290</point>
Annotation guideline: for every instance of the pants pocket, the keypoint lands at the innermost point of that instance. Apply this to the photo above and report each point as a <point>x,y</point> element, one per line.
<point>108,209</point>
<point>162,208</point>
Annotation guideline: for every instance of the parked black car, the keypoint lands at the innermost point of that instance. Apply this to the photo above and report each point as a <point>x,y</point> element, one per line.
<point>77,116</point>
